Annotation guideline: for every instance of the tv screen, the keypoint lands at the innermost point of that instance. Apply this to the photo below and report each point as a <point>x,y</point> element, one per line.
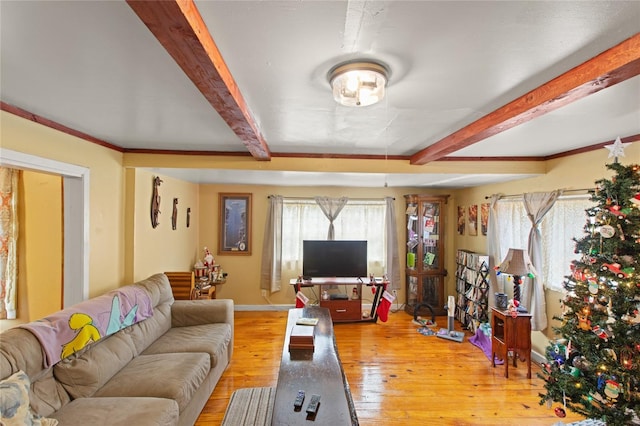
<point>335,258</point>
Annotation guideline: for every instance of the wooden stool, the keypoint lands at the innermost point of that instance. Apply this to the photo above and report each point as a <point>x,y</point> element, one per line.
<point>250,407</point>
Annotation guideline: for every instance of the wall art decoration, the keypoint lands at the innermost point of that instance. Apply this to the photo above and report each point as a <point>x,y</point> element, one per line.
<point>235,224</point>
<point>473,220</point>
<point>174,215</point>
<point>484,218</point>
<point>155,202</point>
<point>461,220</point>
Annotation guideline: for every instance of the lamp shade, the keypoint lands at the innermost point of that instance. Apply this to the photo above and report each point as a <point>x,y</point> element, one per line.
<point>517,263</point>
<point>358,83</point>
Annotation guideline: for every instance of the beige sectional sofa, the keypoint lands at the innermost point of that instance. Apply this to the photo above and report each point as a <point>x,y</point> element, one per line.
<point>159,371</point>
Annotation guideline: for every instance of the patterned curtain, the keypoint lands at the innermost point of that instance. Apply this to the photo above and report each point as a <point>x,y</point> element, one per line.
<point>8,239</point>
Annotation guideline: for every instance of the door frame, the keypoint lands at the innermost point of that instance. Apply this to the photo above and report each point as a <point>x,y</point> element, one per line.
<point>75,181</point>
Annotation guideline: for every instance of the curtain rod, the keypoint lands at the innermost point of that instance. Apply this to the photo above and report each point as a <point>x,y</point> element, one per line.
<point>350,199</point>
<point>563,192</point>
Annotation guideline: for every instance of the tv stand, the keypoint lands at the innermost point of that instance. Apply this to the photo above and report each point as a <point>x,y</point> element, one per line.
<point>349,309</point>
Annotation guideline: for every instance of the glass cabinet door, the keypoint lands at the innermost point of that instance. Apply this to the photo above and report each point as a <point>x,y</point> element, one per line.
<point>412,235</point>
<point>412,290</point>
<point>431,236</point>
<point>433,293</point>
<point>425,270</point>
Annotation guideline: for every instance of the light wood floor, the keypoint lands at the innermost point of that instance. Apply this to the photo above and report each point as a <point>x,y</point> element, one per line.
<point>397,376</point>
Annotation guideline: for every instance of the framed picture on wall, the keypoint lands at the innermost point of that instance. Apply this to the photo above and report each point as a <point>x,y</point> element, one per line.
<point>235,223</point>
<point>473,220</point>
<point>484,218</point>
<point>461,220</point>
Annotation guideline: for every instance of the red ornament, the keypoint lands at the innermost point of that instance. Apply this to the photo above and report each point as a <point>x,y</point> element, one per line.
<point>626,358</point>
<point>560,412</point>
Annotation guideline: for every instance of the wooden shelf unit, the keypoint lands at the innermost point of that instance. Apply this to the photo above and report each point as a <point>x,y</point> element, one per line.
<point>472,288</point>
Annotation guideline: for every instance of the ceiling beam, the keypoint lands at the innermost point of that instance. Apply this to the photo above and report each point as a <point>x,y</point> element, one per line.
<point>613,66</point>
<point>178,26</point>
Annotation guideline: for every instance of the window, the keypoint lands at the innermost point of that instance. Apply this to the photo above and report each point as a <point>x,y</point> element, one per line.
<point>565,221</point>
<point>359,220</point>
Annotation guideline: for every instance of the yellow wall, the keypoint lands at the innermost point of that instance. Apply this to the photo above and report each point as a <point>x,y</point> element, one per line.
<point>125,248</point>
<point>243,282</point>
<point>39,247</point>
<point>161,249</point>
<point>106,210</point>
<point>574,172</point>
<point>42,241</point>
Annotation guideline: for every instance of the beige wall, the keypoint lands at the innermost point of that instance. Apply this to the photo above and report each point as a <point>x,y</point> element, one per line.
<point>574,172</point>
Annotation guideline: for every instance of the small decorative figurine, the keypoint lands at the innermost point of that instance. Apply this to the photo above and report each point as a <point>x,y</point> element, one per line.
<point>208,259</point>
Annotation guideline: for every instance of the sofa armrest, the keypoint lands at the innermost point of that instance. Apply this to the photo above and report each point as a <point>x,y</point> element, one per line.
<point>197,312</point>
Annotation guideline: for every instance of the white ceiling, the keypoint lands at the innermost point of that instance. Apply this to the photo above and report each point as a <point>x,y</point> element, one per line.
<point>95,67</point>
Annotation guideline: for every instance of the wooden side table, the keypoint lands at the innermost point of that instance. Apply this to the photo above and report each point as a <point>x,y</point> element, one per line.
<point>510,334</point>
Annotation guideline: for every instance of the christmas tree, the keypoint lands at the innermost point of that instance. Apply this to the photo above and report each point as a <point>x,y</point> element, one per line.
<point>594,368</point>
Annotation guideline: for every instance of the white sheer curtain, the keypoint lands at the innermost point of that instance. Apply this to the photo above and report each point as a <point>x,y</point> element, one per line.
<point>493,249</point>
<point>537,204</point>
<point>563,222</point>
<point>271,270</point>
<point>8,242</point>
<point>302,220</point>
<point>331,207</point>
<point>358,220</point>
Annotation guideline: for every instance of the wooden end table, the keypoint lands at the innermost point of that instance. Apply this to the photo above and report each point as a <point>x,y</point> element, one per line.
<point>510,334</point>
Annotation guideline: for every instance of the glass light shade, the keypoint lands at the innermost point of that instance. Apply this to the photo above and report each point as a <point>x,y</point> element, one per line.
<point>358,83</point>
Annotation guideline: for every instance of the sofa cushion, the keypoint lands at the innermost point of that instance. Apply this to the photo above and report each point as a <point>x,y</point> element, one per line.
<point>119,411</point>
<point>174,376</point>
<point>146,332</point>
<point>212,339</point>
<point>84,372</point>
<point>20,350</point>
<point>14,403</point>
<point>159,288</point>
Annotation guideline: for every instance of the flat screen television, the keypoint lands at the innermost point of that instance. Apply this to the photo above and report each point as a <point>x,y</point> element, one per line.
<point>334,258</point>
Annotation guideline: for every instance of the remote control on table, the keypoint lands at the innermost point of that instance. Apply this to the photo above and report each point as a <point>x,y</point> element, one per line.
<point>297,404</point>
<point>312,408</point>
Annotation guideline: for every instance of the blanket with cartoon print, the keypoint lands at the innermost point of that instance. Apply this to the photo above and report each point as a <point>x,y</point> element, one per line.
<point>66,332</point>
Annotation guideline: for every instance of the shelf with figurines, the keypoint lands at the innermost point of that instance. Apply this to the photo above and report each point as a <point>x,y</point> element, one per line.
<point>208,274</point>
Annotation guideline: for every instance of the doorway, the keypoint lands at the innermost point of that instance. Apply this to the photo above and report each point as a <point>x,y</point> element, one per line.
<point>75,183</point>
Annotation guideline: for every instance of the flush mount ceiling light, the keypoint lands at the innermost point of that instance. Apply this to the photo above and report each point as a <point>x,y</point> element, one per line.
<point>359,83</point>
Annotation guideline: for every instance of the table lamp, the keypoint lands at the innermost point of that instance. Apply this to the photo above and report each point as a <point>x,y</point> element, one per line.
<point>517,264</point>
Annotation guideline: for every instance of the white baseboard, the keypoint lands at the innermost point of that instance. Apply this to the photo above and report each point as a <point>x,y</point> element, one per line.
<point>263,307</point>
<point>365,307</point>
<point>538,358</point>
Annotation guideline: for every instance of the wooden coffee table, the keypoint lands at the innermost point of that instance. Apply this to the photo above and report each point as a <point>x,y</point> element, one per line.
<point>319,372</point>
